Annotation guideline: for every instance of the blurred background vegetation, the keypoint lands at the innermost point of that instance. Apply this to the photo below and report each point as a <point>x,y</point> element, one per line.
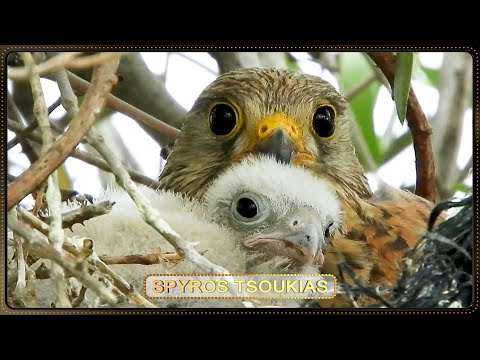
<point>165,85</point>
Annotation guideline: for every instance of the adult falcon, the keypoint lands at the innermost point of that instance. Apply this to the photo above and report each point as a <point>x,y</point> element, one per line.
<point>301,120</point>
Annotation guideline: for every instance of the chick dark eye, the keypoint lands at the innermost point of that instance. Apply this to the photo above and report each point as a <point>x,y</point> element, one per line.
<point>223,119</point>
<point>327,231</point>
<point>324,121</point>
<point>247,208</point>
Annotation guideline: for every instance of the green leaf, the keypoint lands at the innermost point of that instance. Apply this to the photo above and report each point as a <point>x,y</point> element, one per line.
<point>292,64</point>
<point>433,75</point>
<point>354,69</point>
<point>401,86</point>
<point>463,188</point>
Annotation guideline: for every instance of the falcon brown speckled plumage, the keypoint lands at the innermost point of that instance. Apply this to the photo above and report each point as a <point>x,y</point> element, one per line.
<point>302,120</point>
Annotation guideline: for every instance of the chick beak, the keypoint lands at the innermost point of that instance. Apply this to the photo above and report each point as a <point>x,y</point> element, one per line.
<point>277,135</point>
<point>303,245</point>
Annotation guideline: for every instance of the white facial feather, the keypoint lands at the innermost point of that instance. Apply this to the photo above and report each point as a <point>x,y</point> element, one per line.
<point>123,232</point>
<point>282,184</point>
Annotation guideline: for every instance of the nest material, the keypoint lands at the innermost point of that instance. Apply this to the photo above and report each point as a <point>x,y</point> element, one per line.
<point>437,273</point>
<point>439,270</point>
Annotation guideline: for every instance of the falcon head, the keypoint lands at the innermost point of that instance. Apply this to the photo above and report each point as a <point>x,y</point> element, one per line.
<point>299,119</point>
<point>275,217</point>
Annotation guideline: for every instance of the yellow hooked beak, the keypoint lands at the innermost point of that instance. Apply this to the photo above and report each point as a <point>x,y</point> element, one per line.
<point>278,135</point>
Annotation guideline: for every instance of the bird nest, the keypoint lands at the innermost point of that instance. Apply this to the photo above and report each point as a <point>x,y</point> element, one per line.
<point>437,273</point>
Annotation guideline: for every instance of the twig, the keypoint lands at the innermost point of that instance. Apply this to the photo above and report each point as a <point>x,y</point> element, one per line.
<point>128,290</point>
<point>40,246</point>
<point>103,80</point>
<point>27,149</point>
<point>81,296</point>
<point>463,173</point>
<point>13,109</point>
<point>398,145</point>
<point>196,62</point>
<point>367,290</point>
<point>71,246</point>
<point>149,213</point>
<point>70,101</point>
<point>168,131</point>
<point>21,283</point>
<point>53,197</point>
<point>419,128</point>
<point>448,120</point>
<point>68,98</point>
<point>361,146</point>
<point>90,159</point>
<point>360,87</point>
<point>83,213</point>
<point>147,259</point>
<point>56,104</point>
<point>67,60</point>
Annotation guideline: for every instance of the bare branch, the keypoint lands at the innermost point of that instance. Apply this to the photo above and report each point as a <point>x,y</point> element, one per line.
<point>21,283</point>
<point>155,98</point>
<point>360,87</point>
<point>419,128</point>
<point>228,61</point>
<point>196,62</point>
<point>455,79</point>
<point>83,213</point>
<point>53,197</point>
<point>397,145</point>
<point>68,60</point>
<point>165,133</point>
<point>327,60</point>
<point>40,246</point>
<point>27,149</point>
<point>89,158</point>
<point>149,213</point>
<point>103,80</point>
<point>361,146</point>
<point>463,173</point>
<point>146,259</point>
<point>72,247</point>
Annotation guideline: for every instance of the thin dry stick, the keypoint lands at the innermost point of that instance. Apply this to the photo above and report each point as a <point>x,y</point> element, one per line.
<point>24,73</point>
<point>88,158</point>
<point>81,296</point>
<point>149,213</point>
<point>39,245</point>
<point>83,213</point>
<point>463,173</point>
<point>103,79</point>
<point>128,290</point>
<point>360,87</point>
<point>21,283</point>
<point>146,259</point>
<point>419,127</point>
<point>170,132</point>
<point>53,197</point>
<point>71,245</point>
<point>27,149</point>
<point>68,60</point>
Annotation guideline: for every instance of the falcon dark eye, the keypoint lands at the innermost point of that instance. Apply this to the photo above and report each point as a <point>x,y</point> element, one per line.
<point>223,119</point>
<point>324,121</point>
<point>247,208</point>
